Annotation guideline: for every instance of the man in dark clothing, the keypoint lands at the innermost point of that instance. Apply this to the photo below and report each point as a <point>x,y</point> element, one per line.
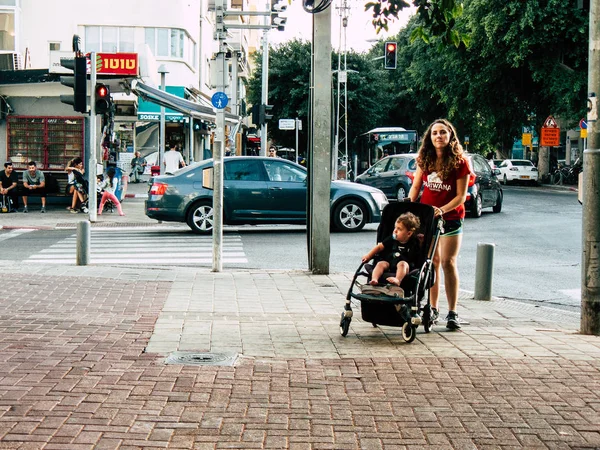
<point>9,181</point>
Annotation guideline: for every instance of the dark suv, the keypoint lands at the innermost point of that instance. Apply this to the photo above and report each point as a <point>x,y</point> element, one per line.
<point>392,174</point>
<point>484,189</point>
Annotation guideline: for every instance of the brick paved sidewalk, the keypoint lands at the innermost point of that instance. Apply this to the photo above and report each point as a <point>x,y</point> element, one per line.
<point>73,374</point>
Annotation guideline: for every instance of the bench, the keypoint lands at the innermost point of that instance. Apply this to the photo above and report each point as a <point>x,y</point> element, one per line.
<point>56,186</point>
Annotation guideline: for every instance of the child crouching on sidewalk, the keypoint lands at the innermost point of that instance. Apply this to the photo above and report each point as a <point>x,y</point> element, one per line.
<point>109,185</point>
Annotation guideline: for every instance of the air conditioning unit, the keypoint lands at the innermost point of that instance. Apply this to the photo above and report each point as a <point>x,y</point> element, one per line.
<point>11,61</point>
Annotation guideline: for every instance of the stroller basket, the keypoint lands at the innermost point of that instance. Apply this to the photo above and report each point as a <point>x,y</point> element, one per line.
<point>383,306</point>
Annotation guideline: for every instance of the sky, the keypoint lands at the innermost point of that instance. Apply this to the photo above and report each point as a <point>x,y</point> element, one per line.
<point>358,32</point>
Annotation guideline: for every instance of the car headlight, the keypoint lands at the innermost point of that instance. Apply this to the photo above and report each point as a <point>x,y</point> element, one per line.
<point>380,199</point>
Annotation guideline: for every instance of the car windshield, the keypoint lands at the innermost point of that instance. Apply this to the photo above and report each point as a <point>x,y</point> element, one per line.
<point>522,163</point>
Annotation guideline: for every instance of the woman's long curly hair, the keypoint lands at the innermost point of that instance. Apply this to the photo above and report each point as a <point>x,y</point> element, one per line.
<point>453,154</point>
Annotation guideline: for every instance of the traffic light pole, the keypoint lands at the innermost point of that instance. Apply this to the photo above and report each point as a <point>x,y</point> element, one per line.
<point>264,91</point>
<point>590,263</point>
<point>218,147</point>
<point>92,201</point>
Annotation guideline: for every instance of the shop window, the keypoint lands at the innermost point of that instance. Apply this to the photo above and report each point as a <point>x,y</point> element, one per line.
<point>50,141</point>
<point>7,31</point>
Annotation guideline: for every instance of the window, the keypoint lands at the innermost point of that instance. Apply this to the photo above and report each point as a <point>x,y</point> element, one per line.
<point>126,40</point>
<point>7,31</point>
<point>396,164</point>
<point>110,39</point>
<point>92,39</point>
<point>171,43</point>
<point>54,46</point>
<point>280,171</point>
<point>243,170</point>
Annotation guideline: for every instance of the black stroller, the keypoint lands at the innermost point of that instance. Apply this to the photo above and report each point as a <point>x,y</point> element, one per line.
<point>411,310</point>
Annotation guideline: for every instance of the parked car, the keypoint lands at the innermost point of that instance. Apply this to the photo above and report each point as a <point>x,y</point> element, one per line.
<point>392,174</point>
<point>256,190</point>
<point>518,170</point>
<point>484,189</point>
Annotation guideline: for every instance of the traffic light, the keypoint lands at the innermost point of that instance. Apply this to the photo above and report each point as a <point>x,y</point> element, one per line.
<point>263,116</point>
<point>391,50</point>
<point>256,114</point>
<point>277,7</point>
<point>78,82</point>
<point>103,102</point>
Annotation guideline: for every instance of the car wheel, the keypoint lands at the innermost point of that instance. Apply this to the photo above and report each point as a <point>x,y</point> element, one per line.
<point>504,179</point>
<point>200,218</point>
<point>350,215</point>
<point>498,206</point>
<point>476,206</point>
<point>402,193</point>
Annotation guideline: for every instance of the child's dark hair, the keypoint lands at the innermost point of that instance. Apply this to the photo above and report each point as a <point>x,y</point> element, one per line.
<point>410,221</point>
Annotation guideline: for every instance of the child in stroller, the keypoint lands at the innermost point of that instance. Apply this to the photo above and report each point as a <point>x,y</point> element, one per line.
<point>398,251</point>
<point>385,305</point>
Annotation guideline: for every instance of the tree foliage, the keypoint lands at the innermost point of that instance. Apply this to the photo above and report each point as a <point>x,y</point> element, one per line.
<point>527,59</point>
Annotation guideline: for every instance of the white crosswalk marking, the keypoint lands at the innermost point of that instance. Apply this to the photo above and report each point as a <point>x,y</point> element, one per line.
<point>15,233</point>
<point>144,247</point>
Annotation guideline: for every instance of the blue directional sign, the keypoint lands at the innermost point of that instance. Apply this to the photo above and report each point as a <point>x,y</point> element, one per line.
<point>219,100</point>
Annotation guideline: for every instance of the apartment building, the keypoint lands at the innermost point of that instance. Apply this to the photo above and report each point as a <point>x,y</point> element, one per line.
<point>174,36</point>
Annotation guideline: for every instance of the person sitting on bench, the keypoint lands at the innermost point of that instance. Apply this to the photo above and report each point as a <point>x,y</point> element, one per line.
<point>34,183</point>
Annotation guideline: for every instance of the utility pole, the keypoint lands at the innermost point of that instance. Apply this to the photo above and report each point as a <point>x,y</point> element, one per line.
<point>265,89</point>
<point>92,207</point>
<point>590,264</point>
<point>341,123</point>
<point>219,145</point>
<point>161,151</point>
<point>319,163</point>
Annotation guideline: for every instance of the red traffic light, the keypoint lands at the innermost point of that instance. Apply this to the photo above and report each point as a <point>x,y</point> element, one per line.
<point>101,90</point>
<point>391,46</point>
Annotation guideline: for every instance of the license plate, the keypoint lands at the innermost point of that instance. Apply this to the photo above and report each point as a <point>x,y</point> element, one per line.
<point>524,177</point>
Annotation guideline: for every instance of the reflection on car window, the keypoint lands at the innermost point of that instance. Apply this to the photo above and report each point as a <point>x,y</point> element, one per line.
<point>396,164</point>
<point>412,165</point>
<point>522,163</point>
<point>480,165</point>
<point>379,166</point>
<point>243,170</point>
<point>281,171</point>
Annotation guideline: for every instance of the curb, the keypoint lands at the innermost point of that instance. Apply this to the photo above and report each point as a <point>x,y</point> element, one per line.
<point>136,195</point>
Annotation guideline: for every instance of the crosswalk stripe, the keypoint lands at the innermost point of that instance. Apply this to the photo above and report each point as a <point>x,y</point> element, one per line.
<point>139,247</point>
<point>15,233</point>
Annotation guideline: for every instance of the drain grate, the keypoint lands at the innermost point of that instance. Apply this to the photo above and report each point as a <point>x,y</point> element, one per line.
<point>202,359</point>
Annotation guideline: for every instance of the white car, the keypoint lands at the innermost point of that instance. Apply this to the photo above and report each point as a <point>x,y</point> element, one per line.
<point>518,170</point>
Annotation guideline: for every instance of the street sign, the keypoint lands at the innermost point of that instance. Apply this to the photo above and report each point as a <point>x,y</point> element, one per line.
<point>583,126</point>
<point>219,100</point>
<point>550,136</point>
<point>287,124</point>
<point>550,123</point>
<point>526,139</point>
<point>467,140</point>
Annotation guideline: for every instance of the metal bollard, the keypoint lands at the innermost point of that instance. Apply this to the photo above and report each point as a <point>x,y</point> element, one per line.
<point>484,268</point>
<point>83,242</point>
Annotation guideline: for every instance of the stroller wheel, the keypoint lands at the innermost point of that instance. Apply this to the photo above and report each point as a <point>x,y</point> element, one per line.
<point>409,332</point>
<point>345,324</point>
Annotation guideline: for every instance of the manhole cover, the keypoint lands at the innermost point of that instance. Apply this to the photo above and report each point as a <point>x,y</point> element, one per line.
<point>201,359</point>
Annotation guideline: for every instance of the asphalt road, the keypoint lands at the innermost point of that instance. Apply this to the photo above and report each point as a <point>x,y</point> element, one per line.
<point>537,239</point>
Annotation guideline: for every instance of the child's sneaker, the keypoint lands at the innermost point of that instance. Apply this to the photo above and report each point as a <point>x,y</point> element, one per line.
<point>25,210</point>
<point>452,321</point>
<point>43,209</point>
<point>73,211</point>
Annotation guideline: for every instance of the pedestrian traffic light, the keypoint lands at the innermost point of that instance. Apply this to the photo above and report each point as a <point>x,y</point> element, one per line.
<point>263,116</point>
<point>391,50</point>
<point>103,102</point>
<point>78,82</point>
<point>256,114</point>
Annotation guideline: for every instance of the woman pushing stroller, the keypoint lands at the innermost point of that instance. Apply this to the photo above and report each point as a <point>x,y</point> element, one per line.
<point>444,172</point>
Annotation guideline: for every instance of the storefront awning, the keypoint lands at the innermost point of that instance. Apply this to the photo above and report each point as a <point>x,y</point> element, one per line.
<point>176,103</point>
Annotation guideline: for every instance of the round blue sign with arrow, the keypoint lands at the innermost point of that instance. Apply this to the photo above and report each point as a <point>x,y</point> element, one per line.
<point>583,124</point>
<point>219,100</point>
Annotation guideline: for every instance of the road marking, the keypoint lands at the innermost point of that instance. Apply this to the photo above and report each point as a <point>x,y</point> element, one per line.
<point>15,233</point>
<point>140,247</point>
